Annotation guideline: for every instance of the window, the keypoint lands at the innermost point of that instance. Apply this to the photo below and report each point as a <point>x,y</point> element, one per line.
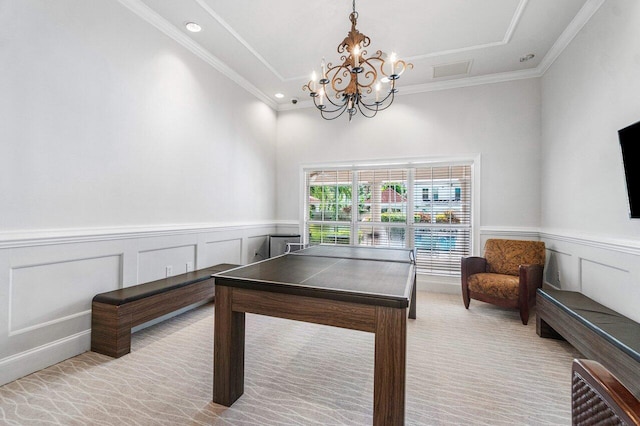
<point>426,207</point>
<point>442,228</point>
<point>329,207</point>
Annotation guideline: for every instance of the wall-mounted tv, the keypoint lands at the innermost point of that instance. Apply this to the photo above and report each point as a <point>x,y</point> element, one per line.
<point>630,144</point>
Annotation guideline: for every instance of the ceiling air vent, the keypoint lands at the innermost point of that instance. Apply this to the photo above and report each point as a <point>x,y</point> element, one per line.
<point>451,70</point>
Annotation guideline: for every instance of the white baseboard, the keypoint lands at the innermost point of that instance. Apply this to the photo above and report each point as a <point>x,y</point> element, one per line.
<point>22,364</point>
<point>436,284</point>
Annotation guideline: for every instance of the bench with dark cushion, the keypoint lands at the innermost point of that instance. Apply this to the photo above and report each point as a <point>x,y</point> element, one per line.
<point>114,313</point>
<point>598,332</point>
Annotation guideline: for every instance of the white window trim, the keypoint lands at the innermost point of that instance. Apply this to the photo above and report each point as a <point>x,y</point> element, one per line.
<point>474,160</point>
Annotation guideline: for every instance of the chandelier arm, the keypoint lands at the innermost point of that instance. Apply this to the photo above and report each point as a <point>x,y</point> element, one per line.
<point>371,107</point>
<point>323,107</point>
<point>382,108</point>
<point>324,114</point>
<point>388,104</point>
<point>338,105</point>
<point>381,105</point>
<point>375,111</point>
<point>390,93</point>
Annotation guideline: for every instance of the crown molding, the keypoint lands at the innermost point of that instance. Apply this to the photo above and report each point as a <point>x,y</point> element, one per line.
<point>579,21</point>
<point>147,14</point>
<point>572,30</point>
<point>470,81</point>
<point>443,85</point>
<point>584,15</point>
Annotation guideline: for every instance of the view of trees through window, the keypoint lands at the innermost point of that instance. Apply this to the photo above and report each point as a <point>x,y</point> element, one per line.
<point>428,208</point>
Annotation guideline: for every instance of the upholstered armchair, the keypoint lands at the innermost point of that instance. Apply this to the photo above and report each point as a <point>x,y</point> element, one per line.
<point>508,275</point>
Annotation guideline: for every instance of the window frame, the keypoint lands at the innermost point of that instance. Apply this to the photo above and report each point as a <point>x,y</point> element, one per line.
<point>354,167</point>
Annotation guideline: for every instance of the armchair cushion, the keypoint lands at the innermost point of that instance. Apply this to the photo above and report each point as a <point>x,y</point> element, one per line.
<point>506,256</point>
<point>495,285</point>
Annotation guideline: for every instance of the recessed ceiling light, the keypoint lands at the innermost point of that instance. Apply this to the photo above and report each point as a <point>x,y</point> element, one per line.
<point>279,95</point>
<point>193,27</point>
<point>525,58</point>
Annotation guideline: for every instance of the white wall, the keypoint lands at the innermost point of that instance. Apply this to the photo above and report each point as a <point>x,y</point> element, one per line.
<point>121,153</point>
<point>590,92</point>
<point>107,122</point>
<point>499,121</point>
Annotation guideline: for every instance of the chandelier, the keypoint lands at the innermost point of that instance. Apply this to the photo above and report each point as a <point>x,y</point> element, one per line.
<point>350,85</point>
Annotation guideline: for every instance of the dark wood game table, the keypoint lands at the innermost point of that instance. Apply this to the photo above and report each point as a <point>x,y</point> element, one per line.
<point>355,287</point>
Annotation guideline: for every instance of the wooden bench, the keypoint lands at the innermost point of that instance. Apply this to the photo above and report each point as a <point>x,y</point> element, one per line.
<point>114,313</point>
<point>598,332</point>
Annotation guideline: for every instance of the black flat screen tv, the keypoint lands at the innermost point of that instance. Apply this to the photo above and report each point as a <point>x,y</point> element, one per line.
<point>630,144</point>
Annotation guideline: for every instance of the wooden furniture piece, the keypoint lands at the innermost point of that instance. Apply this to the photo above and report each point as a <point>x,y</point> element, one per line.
<point>508,274</point>
<point>598,397</point>
<point>114,313</point>
<point>359,294</point>
<point>598,332</point>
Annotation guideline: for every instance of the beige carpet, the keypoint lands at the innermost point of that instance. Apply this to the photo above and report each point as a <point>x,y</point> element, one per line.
<point>475,367</point>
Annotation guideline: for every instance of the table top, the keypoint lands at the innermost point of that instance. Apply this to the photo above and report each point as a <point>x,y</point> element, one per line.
<point>375,276</point>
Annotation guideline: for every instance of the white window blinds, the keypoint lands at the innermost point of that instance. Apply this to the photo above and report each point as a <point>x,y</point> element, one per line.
<point>426,207</point>
<point>442,218</point>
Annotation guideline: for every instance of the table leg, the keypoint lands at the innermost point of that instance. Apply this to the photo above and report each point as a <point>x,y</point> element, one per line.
<point>390,366</point>
<point>412,305</point>
<point>228,349</point>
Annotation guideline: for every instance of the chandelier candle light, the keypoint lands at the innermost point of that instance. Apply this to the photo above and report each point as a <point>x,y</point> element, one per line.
<point>355,79</point>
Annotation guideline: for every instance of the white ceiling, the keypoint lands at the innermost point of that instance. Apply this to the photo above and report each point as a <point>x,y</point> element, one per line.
<point>272,46</point>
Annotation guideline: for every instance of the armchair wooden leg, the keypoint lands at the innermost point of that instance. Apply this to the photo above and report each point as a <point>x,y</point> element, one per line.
<point>466,298</point>
<point>524,314</point>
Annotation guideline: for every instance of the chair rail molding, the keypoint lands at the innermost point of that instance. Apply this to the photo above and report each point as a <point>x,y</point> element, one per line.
<point>39,237</point>
<point>509,232</point>
<point>595,241</point>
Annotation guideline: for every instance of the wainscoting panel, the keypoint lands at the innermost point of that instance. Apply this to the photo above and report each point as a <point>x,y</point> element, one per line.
<point>606,282</point>
<point>215,252</point>
<point>608,271</point>
<point>557,262</point>
<point>48,279</point>
<point>258,248</point>
<point>43,295</point>
<point>164,262</point>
